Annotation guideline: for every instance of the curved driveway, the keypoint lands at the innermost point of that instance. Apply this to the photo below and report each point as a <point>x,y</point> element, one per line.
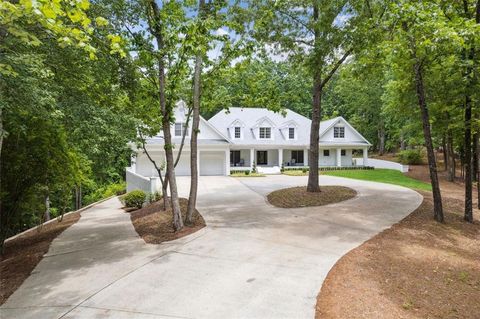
<point>253,260</point>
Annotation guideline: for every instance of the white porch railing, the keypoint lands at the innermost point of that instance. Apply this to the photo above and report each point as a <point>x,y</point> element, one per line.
<point>382,164</point>
<point>268,170</point>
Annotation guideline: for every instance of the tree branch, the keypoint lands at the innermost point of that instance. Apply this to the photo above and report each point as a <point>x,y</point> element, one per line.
<point>335,68</point>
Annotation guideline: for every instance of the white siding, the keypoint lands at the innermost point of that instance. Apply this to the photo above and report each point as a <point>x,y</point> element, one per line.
<point>145,167</point>
<point>328,160</point>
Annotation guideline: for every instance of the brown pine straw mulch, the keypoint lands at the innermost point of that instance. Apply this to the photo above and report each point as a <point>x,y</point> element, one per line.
<point>416,269</point>
<point>155,225</point>
<point>295,197</point>
<point>23,253</point>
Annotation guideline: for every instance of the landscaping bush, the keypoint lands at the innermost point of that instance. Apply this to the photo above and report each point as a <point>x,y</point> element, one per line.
<point>247,172</point>
<point>154,197</point>
<point>411,157</point>
<point>105,192</point>
<point>304,170</point>
<point>135,198</point>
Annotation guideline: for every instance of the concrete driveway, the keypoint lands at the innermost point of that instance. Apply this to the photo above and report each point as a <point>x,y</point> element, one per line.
<point>253,260</point>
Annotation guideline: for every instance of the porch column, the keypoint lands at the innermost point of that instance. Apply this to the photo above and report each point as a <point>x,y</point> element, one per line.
<point>252,157</point>
<point>339,157</point>
<point>305,157</point>
<point>365,156</point>
<point>227,162</point>
<point>280,157</point>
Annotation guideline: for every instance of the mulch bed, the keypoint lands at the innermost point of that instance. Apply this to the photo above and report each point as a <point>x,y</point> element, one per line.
<point>299,197</point>
<point>155,225</point>
<point>23,253</point>
<point>418,268</point>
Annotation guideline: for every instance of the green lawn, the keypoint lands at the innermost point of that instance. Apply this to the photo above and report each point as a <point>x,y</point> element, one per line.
<point>296,172</point>
<point>249,175</point>
<point>388,176</point>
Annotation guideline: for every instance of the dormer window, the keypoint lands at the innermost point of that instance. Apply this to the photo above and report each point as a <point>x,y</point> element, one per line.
<point>179,127</point>
<point>339,132</point>
<point>238,132</point>
<point>265,132</point>
<point>291,133</point>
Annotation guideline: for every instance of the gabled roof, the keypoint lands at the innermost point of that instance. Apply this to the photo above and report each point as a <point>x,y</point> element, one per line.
<point>290,123</point>
<point>252,117</point>
<point>237,122</point>
<point>325,126</point>
<point>263,120</point>
<point>212,137</point>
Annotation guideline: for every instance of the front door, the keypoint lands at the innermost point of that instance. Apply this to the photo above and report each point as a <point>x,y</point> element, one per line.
<point>262,157</point>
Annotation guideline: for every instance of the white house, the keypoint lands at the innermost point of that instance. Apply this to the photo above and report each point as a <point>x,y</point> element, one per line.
<point>238,138</point>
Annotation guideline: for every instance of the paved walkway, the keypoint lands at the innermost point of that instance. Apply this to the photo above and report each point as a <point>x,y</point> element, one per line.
<point>251,261</point>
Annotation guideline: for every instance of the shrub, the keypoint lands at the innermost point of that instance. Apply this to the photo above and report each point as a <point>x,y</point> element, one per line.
<point>135,198</point>
<point>304,170</point>
<point>153,197</point>
<point>105,192</point>
<point>411,157</point>
<point>247,172</point>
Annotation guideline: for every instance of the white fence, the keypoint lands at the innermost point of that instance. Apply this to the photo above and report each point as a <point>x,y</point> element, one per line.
<point>146,184</point>
<point>383,164</point>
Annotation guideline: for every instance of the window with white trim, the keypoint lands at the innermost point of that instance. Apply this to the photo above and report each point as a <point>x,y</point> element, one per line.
<point>238,132</point>
<point>179,127</point>
<point>265,132</point>
<point>339,132</point>
<point>291,133</point>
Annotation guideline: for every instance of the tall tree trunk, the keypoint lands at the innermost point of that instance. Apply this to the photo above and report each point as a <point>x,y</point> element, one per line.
<point>78,197</point>
<point>432,165</point>
<point>477,172</point>
<point>474,156</point>
<point>381,138</point>
<point>450,157</point>
<point>468,160</point>
<point>402,143</point>
<point>312,185</point>
<point>166,111</point>
<point>469,75</point>
<point>445,153</point>
<point>192,199</point>
<point>471,83</point>
<point>46,216</point>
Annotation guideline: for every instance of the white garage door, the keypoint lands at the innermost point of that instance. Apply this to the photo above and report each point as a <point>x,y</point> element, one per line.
<point>183,166</point>
<point>212,163</point>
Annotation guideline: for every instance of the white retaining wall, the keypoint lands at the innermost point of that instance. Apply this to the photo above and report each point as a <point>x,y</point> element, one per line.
<point>382,164</point>
<point>146,184</point>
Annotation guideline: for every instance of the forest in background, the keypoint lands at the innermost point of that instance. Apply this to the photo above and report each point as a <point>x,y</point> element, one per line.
<point>73,95</point>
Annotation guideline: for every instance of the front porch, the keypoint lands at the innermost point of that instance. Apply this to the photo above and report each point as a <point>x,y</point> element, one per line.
<point>270,161</point>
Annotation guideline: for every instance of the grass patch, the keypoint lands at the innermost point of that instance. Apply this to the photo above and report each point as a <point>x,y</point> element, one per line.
<point>295,197</point>
<point>249,175</point>
<point>388,176</point>
<point>296,172</point>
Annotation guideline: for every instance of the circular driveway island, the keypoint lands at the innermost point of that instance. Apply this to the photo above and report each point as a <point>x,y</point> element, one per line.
<point>253,260</point>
